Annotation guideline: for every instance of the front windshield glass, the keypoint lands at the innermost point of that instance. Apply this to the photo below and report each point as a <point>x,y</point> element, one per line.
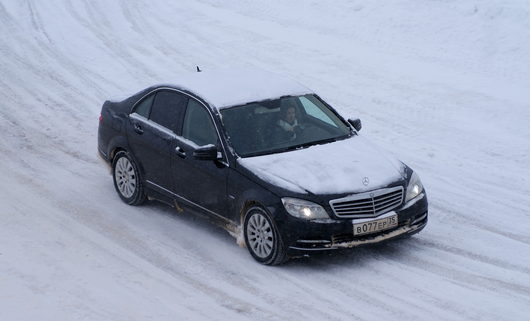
<point>282,124</point>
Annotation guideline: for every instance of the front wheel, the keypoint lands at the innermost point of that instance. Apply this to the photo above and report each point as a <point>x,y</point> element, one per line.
<point>127,179</point>
<point>262,238</point>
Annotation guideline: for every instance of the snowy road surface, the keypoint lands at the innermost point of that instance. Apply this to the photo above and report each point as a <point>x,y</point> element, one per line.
<point>444,85</point>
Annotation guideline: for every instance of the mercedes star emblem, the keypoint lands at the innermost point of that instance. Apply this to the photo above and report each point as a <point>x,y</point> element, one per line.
<point>366,181</point>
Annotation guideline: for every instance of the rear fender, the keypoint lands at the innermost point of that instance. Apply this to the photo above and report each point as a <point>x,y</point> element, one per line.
<point>120,143</point>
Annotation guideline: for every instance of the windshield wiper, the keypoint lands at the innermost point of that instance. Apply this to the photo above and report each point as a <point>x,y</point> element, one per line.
<point>316,142</point>
<point>273,151</point>
<point>263,153</point>
<point>295,147</point>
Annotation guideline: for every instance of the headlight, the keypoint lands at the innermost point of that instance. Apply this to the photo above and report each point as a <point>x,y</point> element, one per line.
<point>414,188</point>
<point>304,209</point>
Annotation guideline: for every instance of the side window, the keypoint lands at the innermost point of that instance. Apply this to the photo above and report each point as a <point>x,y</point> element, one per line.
<point>168,109</point>
<point>198,126</point>
<point>143,108</point>
<point>313,110</point>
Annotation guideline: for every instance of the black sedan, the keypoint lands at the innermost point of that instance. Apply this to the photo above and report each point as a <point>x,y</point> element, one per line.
<point>264,157</point>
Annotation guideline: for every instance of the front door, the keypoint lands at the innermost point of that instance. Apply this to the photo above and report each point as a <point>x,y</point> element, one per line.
<point>200,182</point>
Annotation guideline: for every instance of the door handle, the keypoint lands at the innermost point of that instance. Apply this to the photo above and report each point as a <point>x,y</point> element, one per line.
<point>180,152</point>
<point>138,129</point>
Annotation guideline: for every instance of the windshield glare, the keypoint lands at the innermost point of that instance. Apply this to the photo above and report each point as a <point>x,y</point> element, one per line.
<point>276,125</point>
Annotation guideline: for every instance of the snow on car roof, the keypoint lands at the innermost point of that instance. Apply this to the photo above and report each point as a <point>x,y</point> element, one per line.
<point>229,87</point>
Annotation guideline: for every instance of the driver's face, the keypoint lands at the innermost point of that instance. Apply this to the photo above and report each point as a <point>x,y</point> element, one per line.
<point>290,115</point>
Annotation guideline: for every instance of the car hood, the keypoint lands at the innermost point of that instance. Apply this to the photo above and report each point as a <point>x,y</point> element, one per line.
<point>348,166</point>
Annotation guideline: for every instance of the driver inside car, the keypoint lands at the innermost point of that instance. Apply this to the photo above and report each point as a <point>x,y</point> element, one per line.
<point>288,122</point>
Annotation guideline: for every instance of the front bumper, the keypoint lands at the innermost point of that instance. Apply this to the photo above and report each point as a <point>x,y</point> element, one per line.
<point>305,236</point>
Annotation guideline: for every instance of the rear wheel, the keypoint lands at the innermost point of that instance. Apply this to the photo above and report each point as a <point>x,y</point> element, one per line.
<point>262,238</point>
<point>127,179</point>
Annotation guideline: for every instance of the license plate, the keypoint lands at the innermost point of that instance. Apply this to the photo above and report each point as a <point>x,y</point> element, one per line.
<point>375,225</point>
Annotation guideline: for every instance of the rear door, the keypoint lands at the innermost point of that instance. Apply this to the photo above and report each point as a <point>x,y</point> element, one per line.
<point>200,182</point>
<point>152,134</point>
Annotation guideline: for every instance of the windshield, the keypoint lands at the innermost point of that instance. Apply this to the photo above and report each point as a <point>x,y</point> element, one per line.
<point>282,124</point>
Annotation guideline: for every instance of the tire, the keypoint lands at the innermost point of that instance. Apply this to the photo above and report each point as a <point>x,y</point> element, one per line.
<point>127,179</point>
<point>262,238</point>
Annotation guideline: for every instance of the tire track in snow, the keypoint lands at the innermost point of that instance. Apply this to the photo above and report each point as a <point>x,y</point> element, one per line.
<point>472,256</point>
<point>39,112</point>
<point>90,78</point>
<point>37,22</point>
<point>131,241</point>
<point>473,279</point>
<point>381,294</point>
<point>468,219</point>
<point>232,272</point>
<point>113,45</point>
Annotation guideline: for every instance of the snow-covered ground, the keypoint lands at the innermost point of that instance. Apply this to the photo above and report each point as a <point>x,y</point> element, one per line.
<point>443,85</point>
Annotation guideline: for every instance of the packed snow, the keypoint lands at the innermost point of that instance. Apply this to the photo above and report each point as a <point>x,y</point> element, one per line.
<point>442,85</point>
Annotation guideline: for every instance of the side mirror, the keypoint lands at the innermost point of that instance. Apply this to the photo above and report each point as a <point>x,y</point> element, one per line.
<point>207,152</point>
<point>356,123</point>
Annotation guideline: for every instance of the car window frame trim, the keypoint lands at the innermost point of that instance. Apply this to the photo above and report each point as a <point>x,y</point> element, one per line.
<point>225,161</point>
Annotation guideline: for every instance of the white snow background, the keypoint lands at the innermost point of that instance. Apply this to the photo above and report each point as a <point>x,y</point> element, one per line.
<point>443,85</point>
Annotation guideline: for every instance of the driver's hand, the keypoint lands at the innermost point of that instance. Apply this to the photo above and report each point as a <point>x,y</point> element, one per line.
<point>298,129</point>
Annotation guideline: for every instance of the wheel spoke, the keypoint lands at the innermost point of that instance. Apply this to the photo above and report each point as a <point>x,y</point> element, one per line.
<point>262,222</point>
<point>120,165</point>
<point>252,224</point>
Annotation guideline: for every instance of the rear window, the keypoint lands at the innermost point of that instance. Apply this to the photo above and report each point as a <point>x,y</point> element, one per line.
<point>143,108</point>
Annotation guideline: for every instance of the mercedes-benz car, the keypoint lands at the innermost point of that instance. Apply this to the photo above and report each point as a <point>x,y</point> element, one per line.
<point>262,156</point>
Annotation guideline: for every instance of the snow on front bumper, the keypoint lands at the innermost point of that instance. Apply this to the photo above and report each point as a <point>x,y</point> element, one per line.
<point>401,231</point>
<point>349,241</point>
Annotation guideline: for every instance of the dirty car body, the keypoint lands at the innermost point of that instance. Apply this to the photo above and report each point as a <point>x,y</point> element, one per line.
<point>223,145</point>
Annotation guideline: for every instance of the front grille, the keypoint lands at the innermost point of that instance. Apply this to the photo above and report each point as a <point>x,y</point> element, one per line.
<point>369,204</point>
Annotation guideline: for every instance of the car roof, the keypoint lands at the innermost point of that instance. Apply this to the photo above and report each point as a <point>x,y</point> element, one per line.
<point>229,87</point>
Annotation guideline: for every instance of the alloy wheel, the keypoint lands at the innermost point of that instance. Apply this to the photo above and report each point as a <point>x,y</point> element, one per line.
<point>260,235</point>
<point>126,178</point>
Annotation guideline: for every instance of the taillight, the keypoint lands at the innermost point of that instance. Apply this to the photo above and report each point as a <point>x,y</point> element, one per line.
<point>100,118</point>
